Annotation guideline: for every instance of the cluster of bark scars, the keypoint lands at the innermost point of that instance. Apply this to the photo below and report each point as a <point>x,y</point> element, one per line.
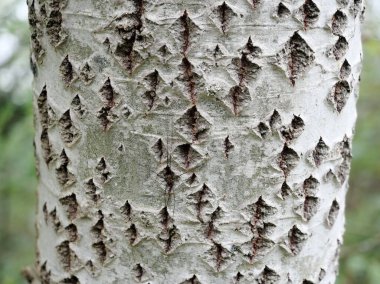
<point>71,207</point>
<point>260,229</point>
<point>297,56</point>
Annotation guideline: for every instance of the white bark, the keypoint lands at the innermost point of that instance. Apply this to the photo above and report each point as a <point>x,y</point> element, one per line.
<point>193,141</point>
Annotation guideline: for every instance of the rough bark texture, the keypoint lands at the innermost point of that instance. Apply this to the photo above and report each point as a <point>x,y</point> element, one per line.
<point>193,141</point>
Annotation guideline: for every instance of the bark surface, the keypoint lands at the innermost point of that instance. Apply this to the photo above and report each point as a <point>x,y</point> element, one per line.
<point>193,141</point>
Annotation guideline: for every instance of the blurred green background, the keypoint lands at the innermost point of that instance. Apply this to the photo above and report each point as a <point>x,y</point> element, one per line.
<point>360,257</point>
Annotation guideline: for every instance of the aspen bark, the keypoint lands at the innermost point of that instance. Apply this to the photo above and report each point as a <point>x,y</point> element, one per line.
<point>193,141</point>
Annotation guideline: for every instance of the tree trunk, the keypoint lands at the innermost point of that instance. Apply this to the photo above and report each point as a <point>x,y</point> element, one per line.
<point>193,141</point>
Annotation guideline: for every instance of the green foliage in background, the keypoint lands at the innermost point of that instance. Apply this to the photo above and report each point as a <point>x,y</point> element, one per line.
<point>17,175</point>
<point>360,256</point>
